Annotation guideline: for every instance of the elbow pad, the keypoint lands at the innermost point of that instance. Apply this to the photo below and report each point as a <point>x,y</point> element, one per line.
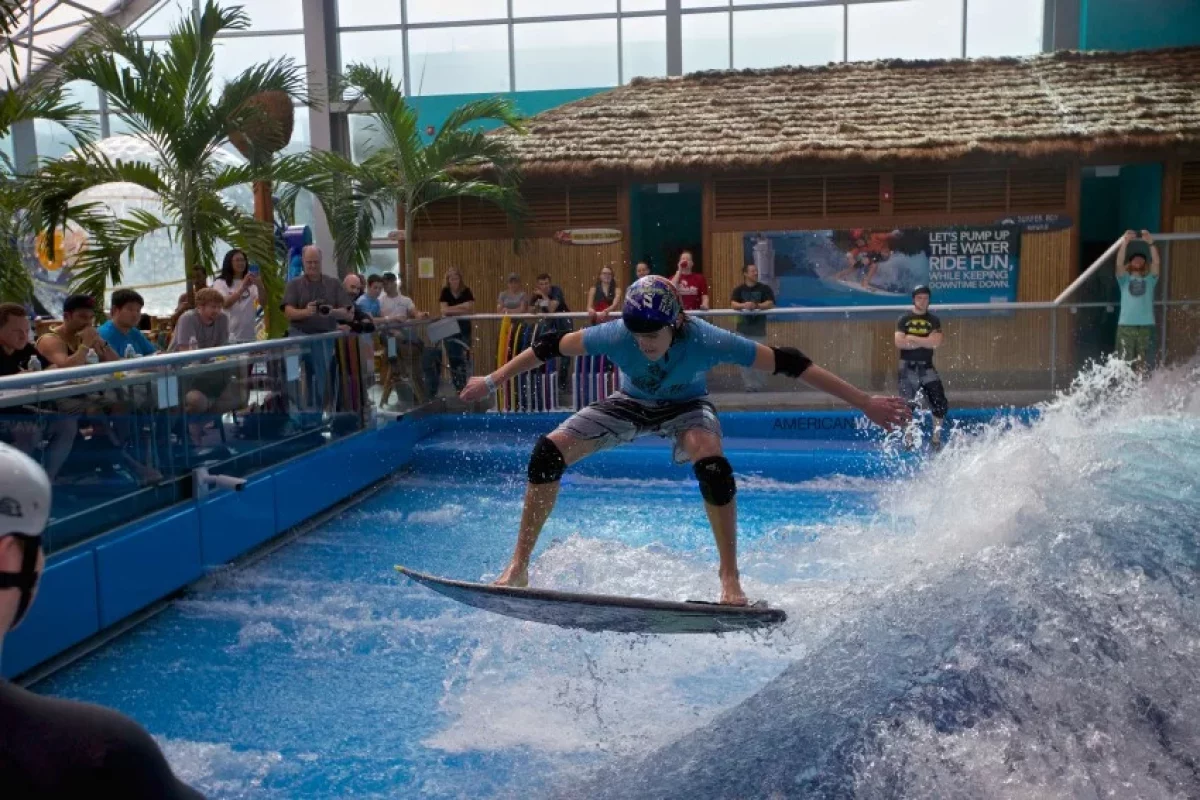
<point>790,361</point>
<point>546,346</point>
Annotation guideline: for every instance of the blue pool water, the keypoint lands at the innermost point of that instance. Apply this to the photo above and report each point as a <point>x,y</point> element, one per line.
<point>1017,617</point>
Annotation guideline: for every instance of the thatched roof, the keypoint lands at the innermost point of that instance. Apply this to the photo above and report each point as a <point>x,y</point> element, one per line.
<point>869,112</point>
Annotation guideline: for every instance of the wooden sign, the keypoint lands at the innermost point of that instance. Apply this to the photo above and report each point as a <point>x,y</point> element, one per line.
<point>588,236</point>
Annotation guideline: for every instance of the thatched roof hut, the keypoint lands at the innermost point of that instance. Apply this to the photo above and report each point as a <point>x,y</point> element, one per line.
<point>1059,104</point>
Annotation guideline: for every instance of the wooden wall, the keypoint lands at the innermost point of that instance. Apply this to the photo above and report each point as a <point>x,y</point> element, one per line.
<point>1183,322</point>
<point>486,263</point>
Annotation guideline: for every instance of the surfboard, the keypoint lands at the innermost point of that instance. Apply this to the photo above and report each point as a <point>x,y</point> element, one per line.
<point>602,612</point>
<point>502,359</point>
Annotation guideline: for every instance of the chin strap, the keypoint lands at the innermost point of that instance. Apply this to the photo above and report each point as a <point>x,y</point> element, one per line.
<point>26,579</point>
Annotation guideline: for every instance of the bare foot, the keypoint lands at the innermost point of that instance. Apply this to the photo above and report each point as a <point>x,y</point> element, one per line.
<point>513,576</point>
<point>731,592</point>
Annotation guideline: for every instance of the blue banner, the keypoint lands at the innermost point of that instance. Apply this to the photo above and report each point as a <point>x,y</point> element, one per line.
<point>868,267</point>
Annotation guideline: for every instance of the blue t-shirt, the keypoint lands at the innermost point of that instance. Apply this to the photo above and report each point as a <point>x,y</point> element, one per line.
<point>1137,299</point>
<point>679,375</point>
<point>119,341</point>
<point>369,305</point>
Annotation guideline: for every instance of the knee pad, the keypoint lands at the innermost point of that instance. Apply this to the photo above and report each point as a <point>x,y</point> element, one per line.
<point>546,464</point>
<point>715,475</point>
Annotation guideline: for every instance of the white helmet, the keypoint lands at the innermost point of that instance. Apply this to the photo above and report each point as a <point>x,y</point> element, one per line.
<point>24,494</point>
<point>24,510</point>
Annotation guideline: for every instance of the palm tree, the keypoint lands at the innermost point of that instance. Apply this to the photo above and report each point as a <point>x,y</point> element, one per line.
<point>166,98</point>
<point>40,100</point>
<point>407,174</point>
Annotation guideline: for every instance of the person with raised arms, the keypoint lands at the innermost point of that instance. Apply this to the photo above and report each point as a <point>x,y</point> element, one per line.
<point>663,355</point>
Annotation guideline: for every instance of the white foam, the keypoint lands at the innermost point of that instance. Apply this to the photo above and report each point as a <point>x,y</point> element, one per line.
<point>451,512</point>
<point>221,770</point>
<point>524,685</point>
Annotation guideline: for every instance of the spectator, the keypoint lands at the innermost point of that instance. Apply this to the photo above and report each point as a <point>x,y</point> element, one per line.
<point>513,300</point>
<point>604,295</point>
<point>210,390</point>
<point>68,345</point>
<point>752,297</point>
<point>369,302</point>
<point>198,280</point>
<point>641,270</point>
<point>241,290</point>
<point>918,334</point>
<point>120,331</point>
<point>316,303</point>
<point>456,300</point>
<point>549,299</point>
<point>353,285</point>
<point>410,348</point>
<point>53,747</point>
<point>204,326</point>
<point>1135,325</point>
<point>395,305</point>
<point>693,287</point>
<point>25,426</point>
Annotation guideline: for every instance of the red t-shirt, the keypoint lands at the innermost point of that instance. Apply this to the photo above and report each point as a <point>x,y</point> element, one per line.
<point>692,289</point>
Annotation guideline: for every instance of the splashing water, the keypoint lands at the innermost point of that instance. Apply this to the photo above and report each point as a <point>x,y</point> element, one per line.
<point>1015,618</point>
<point>1019,619</point>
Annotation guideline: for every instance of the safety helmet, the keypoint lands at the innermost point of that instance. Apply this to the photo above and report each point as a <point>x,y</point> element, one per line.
<point>921,289</point>
<point>652,303</point>
<point>24,511</point>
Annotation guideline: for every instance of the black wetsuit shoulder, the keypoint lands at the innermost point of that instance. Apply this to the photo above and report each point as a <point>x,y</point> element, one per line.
<point>52,748</point>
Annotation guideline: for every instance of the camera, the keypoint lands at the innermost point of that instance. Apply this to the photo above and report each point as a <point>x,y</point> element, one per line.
<point>324,308</point>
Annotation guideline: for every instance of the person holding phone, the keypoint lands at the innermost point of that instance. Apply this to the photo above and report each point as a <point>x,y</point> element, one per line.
<point>239,285</point>
<point>1137,280</point>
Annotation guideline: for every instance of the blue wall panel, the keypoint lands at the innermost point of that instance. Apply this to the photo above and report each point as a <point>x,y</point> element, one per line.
<point>305,487</point>
<point>148,563</point>
<point>1126,25</point>
<point>232,523</point>
<point>63,614</point>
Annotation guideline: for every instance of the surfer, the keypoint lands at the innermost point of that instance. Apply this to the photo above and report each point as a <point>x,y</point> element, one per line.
<point>663,356</point>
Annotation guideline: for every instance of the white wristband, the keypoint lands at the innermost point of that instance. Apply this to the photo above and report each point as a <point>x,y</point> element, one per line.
<point>491,384</point>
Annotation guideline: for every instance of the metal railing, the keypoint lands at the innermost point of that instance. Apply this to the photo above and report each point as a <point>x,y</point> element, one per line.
<point>298,393</point>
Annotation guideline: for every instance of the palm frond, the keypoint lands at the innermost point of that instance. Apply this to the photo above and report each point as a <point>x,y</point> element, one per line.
<point>45,102</point>
<point>477,112</point>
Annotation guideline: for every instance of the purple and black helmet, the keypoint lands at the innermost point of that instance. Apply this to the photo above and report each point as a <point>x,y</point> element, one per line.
<point>652,303</point>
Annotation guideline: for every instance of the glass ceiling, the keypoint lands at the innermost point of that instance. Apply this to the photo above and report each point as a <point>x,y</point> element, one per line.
<point>45,27</point>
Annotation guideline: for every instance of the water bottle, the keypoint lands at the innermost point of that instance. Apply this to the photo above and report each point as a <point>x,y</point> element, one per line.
<point>91,357</point>
<point>193,344</point>
<point>130,352</point>
<point>35,364</point>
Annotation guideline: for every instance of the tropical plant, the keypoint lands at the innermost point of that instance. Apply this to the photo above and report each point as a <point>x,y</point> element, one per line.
<point>166,97</point>
<point>42,100</point>
<point>407,173</point>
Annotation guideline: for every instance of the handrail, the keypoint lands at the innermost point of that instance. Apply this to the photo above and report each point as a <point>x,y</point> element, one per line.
<point>164,360</point>
<point>1096,265</point>
<point>1092,269</point>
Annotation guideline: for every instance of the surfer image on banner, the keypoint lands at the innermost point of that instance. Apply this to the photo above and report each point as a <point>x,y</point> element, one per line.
<point>863,258</point>
<point>663,356</point>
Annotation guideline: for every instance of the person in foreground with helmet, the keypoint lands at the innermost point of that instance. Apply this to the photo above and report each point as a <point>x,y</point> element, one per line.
<point>918,334</point>
<point>663,356</point>
<point>52,748</point>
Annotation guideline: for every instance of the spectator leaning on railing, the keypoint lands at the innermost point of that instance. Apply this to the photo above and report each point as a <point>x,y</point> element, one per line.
<point>24,426</point>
